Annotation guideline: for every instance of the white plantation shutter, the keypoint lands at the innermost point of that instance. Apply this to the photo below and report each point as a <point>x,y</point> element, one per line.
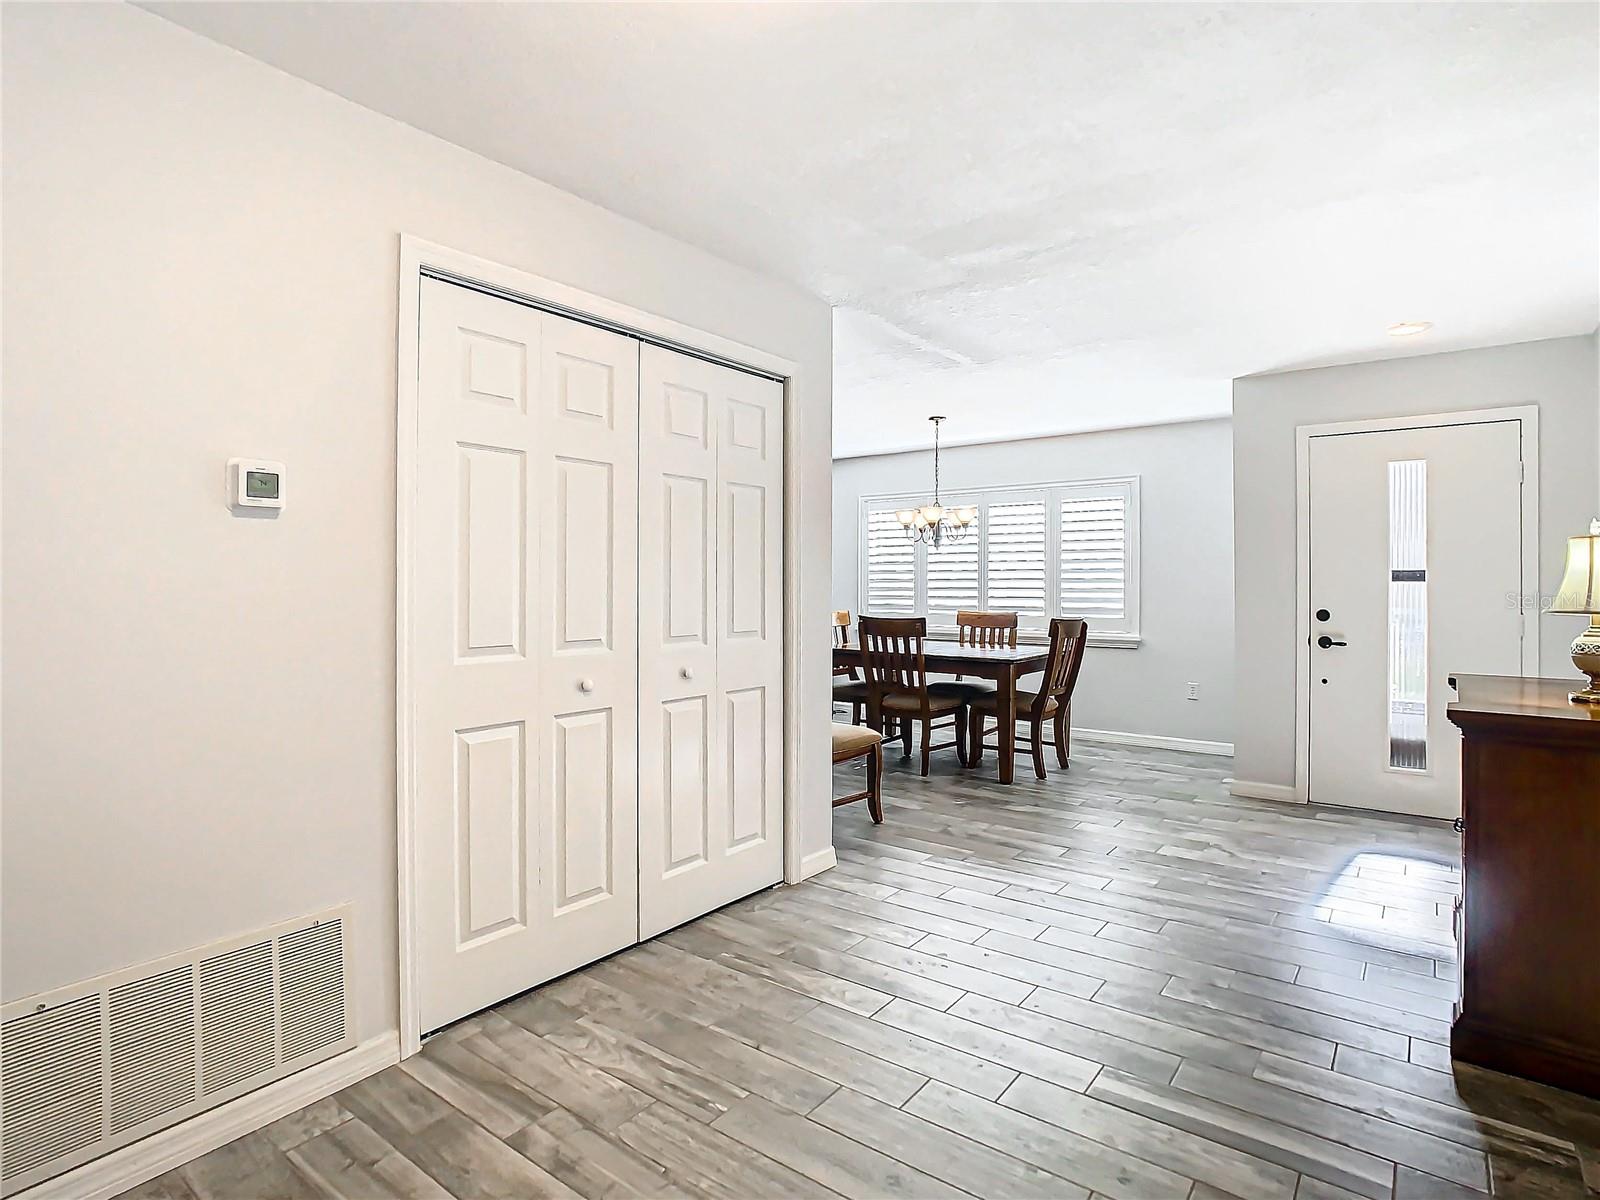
<point>1017,534</point>
<point>953,575</point>
<point>1094,556</point>
<point>1061,549</point>
<point>890,584</point>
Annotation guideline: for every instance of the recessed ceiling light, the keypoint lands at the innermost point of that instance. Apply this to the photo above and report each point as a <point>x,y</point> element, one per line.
<point>1409,328</point>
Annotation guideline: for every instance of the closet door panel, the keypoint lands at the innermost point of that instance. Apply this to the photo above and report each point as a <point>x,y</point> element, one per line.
<point>750,604</point>
<point>679,743</point>
<point>523,586</point>
<point>588,509</point>
<point>705,778</point>
<point>475,680</point>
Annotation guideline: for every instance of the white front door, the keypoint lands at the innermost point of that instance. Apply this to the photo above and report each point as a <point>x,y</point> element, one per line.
<point>710,647</point>
<point>1416,570</point>
<point>525,653</point>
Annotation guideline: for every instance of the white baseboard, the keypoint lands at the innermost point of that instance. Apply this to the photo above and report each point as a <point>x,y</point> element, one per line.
<point>143,1160</point>
<point>1154,741</point>
<point>817,862</point>
<point>1251,790</point>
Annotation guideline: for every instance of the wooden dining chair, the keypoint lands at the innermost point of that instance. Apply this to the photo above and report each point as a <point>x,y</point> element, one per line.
<point>853,689</point>
<point>850,742</point>
<point>1052,701</point>
<point>979,629</point>
<point>897,685</point>
<point>841,639</point>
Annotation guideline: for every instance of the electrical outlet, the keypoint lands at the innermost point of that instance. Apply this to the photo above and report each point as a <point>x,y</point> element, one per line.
<point>1194,691</point>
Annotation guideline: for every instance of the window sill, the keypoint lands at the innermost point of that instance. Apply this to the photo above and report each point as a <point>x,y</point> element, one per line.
<point>1119,641</point>
<point>1031,637</point>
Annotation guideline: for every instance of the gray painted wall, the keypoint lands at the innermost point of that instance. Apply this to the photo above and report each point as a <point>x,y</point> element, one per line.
<point>201,261</point>
<point>1558,375</point>
<point>1186,564</point>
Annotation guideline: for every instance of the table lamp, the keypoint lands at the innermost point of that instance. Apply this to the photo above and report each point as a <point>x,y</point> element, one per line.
<point>1580,593</point>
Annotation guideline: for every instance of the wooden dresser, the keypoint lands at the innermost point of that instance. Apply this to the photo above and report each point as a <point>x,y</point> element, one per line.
<point>1528,922</point>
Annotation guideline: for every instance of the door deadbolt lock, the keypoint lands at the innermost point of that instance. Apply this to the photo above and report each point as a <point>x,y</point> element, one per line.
<point>1323,614</point>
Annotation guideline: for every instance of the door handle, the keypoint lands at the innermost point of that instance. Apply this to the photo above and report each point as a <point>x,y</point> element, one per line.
<point>686,672</point>
<point>1325,641</point>
<point>586,685</point>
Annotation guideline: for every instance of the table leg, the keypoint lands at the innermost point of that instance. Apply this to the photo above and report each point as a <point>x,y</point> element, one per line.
<point>1007,712</point>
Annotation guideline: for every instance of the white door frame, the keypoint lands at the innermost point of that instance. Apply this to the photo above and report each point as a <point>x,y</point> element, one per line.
<point>415,256</point>
<point>1528,415</point>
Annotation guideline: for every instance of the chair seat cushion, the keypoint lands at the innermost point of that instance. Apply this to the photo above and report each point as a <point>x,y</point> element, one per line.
<point>938,704</point>
<point>991,703</point>
<point>850,691</point>
<point>963,688</point>
<point>851,740</point>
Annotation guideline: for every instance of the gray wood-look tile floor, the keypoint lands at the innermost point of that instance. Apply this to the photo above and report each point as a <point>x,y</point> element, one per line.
<point>1120,982</point>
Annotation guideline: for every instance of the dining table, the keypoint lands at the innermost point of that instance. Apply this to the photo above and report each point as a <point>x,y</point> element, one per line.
<point>1003,664</point>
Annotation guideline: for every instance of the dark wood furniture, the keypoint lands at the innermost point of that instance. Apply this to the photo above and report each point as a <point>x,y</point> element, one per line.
<point>841,637</point>
<point>857,741</point>
<point>1528,923</point>
<point>897,685</point>
<point>1002,664</point>
<point>986,628</point>
<point>1051,702</point>
<point>848,687</point>
<point>980,629</point>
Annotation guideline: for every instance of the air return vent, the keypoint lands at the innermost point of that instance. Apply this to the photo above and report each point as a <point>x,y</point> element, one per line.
<point>51,1084</point>
<point>151,1024</point>
<point>90,1067</point>
<point>311,967</point>
<point>238,997</point>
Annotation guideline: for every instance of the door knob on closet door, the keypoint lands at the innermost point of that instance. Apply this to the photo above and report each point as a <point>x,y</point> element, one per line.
<point>1325,642</point>
<point>586,685</point>
<point>686,672</point>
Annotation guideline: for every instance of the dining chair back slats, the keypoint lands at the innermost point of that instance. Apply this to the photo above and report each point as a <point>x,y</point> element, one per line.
<point>892,650</point>
<point>987,629</point>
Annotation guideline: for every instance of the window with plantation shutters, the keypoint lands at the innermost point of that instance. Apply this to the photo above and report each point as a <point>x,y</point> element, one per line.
<point>1018,535</point>
<point>1063,549</point>
<point>1094,548</point>
<point>952,571</point>
<point>889,583</point>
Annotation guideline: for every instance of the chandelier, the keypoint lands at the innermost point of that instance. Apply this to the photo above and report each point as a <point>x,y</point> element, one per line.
<point>934,523</point>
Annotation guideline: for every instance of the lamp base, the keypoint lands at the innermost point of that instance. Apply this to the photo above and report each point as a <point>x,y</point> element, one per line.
<point>1586,657</point>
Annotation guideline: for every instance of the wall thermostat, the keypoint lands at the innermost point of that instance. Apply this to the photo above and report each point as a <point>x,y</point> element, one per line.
<point>255,483</point>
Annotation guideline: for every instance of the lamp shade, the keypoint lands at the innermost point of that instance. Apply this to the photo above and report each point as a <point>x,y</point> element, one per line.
<point>1580,585</point>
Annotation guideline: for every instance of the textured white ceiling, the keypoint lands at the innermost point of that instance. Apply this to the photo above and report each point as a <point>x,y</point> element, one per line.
<point>1038,218</point>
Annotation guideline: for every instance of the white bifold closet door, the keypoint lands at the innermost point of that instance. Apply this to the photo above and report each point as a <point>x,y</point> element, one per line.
<point>710,636</point>
<point>524,650</point>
